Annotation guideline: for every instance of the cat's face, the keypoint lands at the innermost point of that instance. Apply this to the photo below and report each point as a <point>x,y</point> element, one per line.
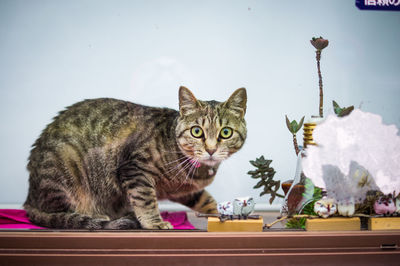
<point>208,132</point>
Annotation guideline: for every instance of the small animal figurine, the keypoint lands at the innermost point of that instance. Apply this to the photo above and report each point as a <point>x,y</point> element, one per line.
<point>385,205</point>
<point>325,207</point>
<point>398,205</point>
<point>225,208</point>
<point>346,209</point>
<point>243,206</point>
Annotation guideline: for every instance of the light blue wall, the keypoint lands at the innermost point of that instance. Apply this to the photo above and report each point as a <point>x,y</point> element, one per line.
<point>54,53</point>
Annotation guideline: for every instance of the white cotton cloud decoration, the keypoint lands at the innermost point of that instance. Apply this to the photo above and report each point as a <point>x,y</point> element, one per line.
<point>355,153</point>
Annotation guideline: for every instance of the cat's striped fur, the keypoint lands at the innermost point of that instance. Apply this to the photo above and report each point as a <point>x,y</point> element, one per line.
<point>104,163</point>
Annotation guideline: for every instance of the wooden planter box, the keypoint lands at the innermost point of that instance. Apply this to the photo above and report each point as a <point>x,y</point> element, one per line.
<point>384,223</point>
<point>334,224</point>
<point>249,225</point>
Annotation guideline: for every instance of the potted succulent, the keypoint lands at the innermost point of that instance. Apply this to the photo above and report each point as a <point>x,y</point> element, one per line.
<point>266,174</point>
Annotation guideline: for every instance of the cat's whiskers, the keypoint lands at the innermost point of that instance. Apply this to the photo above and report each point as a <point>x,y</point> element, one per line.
<point>193,173</point>
<point>177,165</point>
<point>183,168</point>
<point>176,161</point>
<point>192,169</point>
<point>179,161</point>
<point>183,181</point>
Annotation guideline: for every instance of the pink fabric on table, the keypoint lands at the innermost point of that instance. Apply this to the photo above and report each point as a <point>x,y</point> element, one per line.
<point>178,220</point>
<point>17,219</point>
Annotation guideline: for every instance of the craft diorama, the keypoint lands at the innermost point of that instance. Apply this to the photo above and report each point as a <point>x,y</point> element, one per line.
<point>347,174</point>
<point>348,170</point>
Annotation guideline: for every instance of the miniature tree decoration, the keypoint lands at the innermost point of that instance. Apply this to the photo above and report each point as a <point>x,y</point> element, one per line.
<point>319,44</point>
<point>294,127</point>
<point>340,112</point>
<point>266,173</point>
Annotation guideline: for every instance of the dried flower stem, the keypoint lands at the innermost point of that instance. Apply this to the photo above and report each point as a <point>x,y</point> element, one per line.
<point>290,216</point>
<point>276,221</point>
<point>321,92</point>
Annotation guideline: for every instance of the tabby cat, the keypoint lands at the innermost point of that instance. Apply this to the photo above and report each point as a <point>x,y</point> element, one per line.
<point>104,163</point>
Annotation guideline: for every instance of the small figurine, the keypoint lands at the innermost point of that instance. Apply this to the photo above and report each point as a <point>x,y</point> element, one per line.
<point>225,208</point>
<point>325,207</point>
<point>398,205</point>
<point>385,205</point>
<point>346,209</point>
<point>243,206</point>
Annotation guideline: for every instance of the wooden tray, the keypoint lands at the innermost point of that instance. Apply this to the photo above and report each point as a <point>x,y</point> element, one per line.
<point>384,223</point>
<point>334,224</point>
<point>248,225</point>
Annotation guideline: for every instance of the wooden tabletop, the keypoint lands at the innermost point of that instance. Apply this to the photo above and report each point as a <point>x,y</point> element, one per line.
<point>273,247</point>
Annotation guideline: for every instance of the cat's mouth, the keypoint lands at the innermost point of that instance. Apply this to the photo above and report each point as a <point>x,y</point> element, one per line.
<point>210,161</point>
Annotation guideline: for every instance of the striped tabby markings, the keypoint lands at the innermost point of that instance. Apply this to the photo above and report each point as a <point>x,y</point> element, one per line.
<point>123,134</point>
<point>143,199</point>
<point>200,201</point>
<point>206,204</point>
<point>73,165</point>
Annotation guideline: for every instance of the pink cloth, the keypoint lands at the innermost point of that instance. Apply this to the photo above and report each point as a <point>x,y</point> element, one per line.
<point>178,220</point>
<point>17,219</point>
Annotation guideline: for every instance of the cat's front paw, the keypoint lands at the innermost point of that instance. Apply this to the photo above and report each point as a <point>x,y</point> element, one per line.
<point>164,225</point>
<point>158,225</point>
<point>122,224</point>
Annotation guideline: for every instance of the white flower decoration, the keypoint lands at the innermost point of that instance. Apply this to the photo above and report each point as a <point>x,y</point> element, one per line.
<point>355,153</point>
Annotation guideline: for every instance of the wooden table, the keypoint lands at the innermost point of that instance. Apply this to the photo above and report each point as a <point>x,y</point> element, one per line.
<point>274,247</point>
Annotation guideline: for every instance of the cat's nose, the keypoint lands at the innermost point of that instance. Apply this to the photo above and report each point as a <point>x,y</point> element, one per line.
<point>211,151</point>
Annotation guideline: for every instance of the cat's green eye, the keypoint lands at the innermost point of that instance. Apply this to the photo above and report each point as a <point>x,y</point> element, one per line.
<point>226,133</point>
<point>196,132</point>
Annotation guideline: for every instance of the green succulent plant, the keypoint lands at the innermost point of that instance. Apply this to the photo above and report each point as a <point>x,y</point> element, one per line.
<point>266,174</point>
<point>294,127</point>
<point>339,111</point>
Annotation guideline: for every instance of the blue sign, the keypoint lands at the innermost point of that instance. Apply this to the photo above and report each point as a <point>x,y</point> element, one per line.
<point>393,5</point>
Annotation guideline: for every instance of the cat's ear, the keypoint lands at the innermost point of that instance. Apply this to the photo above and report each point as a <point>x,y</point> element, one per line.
<point>187,102</point>
<point>237,102</point>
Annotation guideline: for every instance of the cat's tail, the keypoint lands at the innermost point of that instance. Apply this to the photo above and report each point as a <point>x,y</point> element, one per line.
<point>73,220</point>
